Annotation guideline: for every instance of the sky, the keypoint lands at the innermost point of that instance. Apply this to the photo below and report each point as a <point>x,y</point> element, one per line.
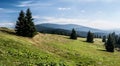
<point>100,14</point>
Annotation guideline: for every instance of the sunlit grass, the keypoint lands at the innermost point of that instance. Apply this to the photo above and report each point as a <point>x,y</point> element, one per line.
<point>56,50</point>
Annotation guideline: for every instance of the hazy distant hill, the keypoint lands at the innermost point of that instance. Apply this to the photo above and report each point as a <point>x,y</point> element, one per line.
<point>117,31</point>
<point>69,27</point>
<point>66,29</point>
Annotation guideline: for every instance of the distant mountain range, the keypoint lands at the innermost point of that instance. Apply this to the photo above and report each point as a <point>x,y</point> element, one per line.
<point>117,31</point>
<point>66,29</point>
<point>69,27</point>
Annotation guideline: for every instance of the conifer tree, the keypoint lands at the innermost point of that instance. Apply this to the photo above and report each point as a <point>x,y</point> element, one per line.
<point>90,37</point>
<point>73,34</point>
<point>97,36</point>
<point>20,25</point>
<point>94,36</point>
<point>30,27</point>
<point>109,45</point>
<point>104,39</point>
<point>116,39</point>
<point>118,42</point>
<point>25,26</point>
<point>100,36</point>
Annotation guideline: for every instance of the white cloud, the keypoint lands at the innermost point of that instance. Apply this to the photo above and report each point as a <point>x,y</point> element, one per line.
<point>33,4</point>
<point>62,9</point>
<point>90,1</point>
<point>100,24</point>
<point>62,20</point>
<point>7,24</point>
<point>24,3</point>
<point>36,17</point>
<point>82,11</point>
<point>3,10</point>
<point>98,0</point>
<point>103,24</point>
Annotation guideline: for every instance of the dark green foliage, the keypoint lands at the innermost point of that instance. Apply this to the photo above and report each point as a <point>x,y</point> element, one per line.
<point>96,36</point>
<point>30,27</point>
<point>104,39</point>
<point>116,39</point>
<point>73,34</point>
<point>100,37</point>
<point>20,25</point>
<point>109,45</point>
<point>25,26</point>
<point>114,36</point>
<point>51,64</point>
<point>90,37</point>
<point>118,42</point>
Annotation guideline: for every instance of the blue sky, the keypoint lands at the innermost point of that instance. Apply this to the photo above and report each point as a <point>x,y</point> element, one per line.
<point>101,14</point>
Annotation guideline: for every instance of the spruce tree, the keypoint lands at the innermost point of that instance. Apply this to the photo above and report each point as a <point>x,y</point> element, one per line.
<point>73,34</point>
<point>94,36</point>
<point>100,36</point>
<point>114,37</point>
<point>90,37</point>
<point>30,27</point>
<point>97,36</point>
<point>25,26</point>
<point>118,42</point>
<point>104,39</point>
<point>20,24</point>
<point>109,45</point>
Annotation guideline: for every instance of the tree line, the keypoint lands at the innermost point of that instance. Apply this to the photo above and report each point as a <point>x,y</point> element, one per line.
<point>111,41</point>
<point>90,36</point>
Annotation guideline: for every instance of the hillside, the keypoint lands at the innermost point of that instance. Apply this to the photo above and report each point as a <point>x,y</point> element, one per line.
<point>53,50</point>
<point>66,29</point>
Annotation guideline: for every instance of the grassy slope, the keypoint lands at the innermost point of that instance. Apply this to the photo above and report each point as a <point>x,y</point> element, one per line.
<point>47,49</point>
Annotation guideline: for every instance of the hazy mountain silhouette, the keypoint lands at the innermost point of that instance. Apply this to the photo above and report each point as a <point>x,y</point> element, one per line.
<point>66,29</point>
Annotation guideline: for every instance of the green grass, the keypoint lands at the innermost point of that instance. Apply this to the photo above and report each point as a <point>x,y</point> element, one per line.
<point>53,50</point>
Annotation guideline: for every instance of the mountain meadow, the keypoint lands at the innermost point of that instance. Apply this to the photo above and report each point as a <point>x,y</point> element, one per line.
<point>53,50</point>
